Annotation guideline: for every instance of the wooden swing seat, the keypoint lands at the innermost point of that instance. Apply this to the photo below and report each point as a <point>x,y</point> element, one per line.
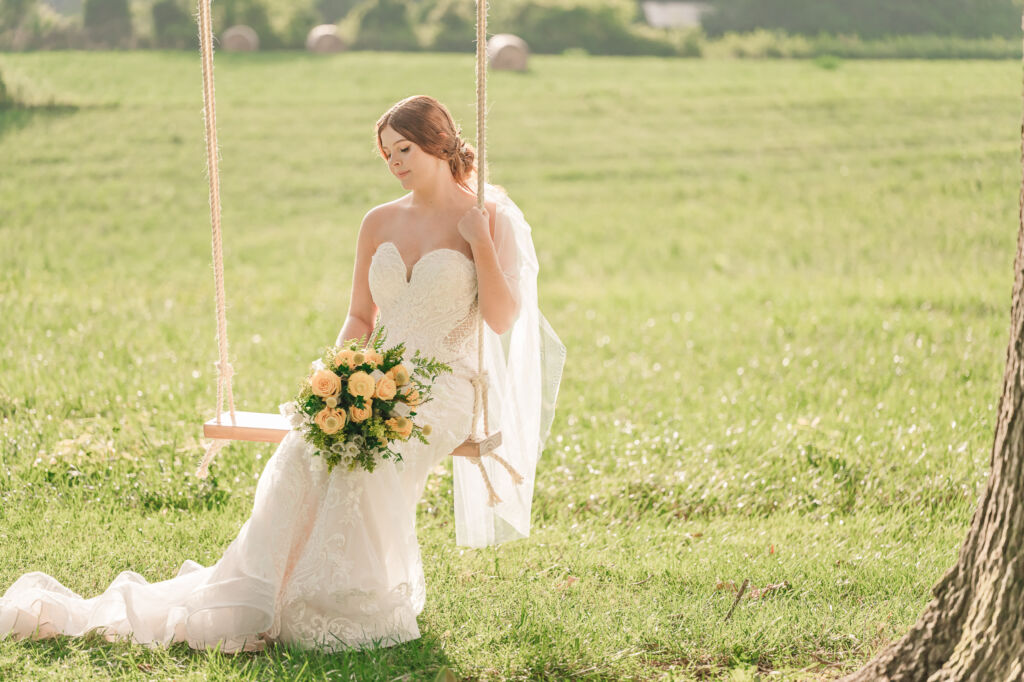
<point>253,426</point>
<point>265,427</point>
<point>474,447</point>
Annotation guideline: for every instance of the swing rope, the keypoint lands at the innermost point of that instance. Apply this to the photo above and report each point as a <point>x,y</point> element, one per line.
<point>480,381</point>
<point>224,369</point>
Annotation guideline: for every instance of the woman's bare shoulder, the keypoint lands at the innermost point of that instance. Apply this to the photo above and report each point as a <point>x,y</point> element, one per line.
<point>387,209</point>
<point>380,216</point>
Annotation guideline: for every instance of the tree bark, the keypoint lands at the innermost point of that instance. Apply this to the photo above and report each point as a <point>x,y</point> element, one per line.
<point>973,629</point>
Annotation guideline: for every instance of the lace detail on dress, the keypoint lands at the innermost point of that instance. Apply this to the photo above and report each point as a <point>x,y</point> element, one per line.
<point>345,595</point>
<point>455,340</point>
<point>423,310</point>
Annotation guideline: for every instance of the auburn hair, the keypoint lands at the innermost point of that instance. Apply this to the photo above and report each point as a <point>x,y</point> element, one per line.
<point>425,121</point>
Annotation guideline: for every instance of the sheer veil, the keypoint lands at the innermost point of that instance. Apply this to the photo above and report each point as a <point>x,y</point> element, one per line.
<point>524,367</point>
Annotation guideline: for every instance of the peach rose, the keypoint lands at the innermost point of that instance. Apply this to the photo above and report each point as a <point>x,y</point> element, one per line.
<point>330,420</point>
<point>360,414</point>
<point>373,357</point>
<point>412,396</point>
<point>399,374</point>
<point>401,426</point>
<point>325,383</point>
<point>385,388</point>
<point>345,359</point>
<point>361,383</point>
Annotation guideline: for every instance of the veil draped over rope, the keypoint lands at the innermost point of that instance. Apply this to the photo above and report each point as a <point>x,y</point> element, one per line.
<point>524,367</point>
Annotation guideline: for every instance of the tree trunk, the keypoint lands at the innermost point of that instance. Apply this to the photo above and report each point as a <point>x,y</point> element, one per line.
<point>973,629</point>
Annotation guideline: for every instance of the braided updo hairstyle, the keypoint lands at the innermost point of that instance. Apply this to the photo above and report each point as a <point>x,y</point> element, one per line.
<point>422,119</point>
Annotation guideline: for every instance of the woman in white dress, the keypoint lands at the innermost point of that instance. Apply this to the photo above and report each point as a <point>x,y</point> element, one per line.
<point>331,560</point>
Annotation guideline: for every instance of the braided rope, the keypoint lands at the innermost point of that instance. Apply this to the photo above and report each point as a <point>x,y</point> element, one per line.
<point>224,369</point>
<point>480,381</point>
<point>481,100</point>
<point>517,477</point>
<point>204,466</point>
<point>492,497</point>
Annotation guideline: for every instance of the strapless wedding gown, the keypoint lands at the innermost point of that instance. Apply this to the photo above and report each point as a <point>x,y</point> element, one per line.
<point>325,560</point>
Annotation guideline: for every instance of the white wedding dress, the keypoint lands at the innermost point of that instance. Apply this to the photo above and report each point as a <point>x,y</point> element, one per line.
<point>325,560</point>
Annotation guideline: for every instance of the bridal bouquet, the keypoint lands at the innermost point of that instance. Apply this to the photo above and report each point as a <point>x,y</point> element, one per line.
<point>361,398</point>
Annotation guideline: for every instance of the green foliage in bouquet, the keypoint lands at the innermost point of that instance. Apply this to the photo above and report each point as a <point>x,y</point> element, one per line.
<point>361,398</point>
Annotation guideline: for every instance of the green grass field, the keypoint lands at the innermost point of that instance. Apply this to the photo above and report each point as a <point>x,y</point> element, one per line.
<point>784,289</point>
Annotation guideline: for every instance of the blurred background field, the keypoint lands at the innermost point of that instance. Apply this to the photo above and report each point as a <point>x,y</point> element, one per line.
<point>934,29</point>
<point>784,286</point>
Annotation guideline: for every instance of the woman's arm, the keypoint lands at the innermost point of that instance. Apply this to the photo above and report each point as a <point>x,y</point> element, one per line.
<point>362,311</point>
<point>499,302</point>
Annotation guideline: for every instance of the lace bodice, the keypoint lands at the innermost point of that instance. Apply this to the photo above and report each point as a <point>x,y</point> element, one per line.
<point>435,309</point>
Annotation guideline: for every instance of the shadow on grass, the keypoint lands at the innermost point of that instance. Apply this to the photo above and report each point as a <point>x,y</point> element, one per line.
<point>420,659</point>
<point>17,116</point>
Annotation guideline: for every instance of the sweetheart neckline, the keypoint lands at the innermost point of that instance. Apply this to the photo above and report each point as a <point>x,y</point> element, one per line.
<point>411,272</point>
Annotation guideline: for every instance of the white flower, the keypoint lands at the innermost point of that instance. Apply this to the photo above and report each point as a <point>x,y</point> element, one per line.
<point>338,448</point>
<point>317,364</point>
<point>376,374</point>
<point>400,410</point>
<point>290,411</point>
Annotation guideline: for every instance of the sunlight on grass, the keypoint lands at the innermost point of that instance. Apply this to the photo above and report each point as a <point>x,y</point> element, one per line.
<point>784,290</point>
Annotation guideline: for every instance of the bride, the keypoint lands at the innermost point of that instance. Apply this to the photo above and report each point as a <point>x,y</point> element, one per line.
<point>331,560</point>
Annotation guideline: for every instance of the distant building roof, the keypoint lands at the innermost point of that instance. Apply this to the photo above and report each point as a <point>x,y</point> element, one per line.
<point>673,13</point>
<point>65,7</point>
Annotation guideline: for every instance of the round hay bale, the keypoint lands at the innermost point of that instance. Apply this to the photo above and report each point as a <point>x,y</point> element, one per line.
<point>324,39</point>
<point>507,52</point>
<point>240,38</point>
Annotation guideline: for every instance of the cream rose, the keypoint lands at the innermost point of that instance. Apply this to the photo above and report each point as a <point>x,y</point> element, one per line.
<point>330,420</point>
<point>361,383</point>
<point>325,383</point>
<point>385,388</point>
<point>400,375</point>
<point>360,414</point>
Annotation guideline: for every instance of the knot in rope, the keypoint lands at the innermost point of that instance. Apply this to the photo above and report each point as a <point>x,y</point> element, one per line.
<point>479,381</point>
<point>225,372</point>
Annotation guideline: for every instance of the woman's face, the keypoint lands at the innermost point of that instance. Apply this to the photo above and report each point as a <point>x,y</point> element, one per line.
<point>406,160</point>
